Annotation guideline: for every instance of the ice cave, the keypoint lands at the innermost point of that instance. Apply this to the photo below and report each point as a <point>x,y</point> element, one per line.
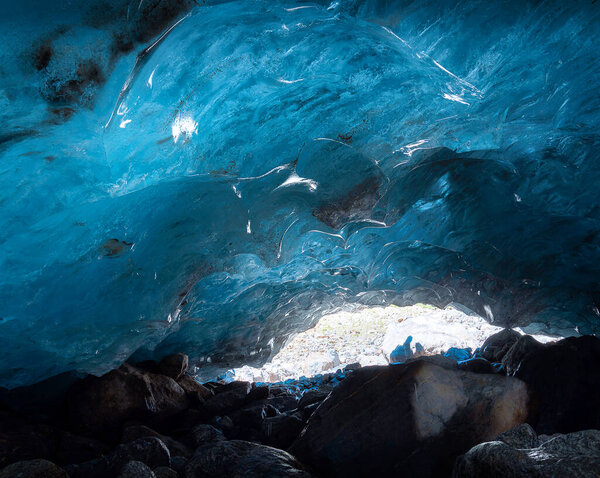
<point>187,186</point>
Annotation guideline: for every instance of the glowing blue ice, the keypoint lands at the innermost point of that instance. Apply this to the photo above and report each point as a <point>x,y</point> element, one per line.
<point>216,188</point>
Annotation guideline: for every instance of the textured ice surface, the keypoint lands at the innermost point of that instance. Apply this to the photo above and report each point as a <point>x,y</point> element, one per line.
<point>210,178</point>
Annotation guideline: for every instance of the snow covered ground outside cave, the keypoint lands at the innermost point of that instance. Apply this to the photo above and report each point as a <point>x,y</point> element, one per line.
<point>368,335</point>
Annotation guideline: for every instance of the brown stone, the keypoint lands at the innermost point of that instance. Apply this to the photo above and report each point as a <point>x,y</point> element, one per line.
<point>173,366</point>
<point>99,405</point>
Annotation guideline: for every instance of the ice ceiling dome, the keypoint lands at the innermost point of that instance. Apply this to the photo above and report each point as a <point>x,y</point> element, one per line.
<point>207,178</point>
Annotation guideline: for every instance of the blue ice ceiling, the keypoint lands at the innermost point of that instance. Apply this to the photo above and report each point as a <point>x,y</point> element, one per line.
<point>209,177</point>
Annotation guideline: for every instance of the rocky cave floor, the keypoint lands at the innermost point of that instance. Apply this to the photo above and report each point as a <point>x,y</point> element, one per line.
<point>512,407</point>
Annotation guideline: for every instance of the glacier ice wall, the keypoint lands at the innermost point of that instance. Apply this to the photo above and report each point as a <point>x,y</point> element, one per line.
<point>209,177</point>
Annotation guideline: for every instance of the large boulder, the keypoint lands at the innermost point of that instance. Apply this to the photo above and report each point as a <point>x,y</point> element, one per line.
<point>564,379</point>
<point>576,455</point>
<point>411,419</point>
<point>33,469</point>
<point>242,459</point>
<point>100,405</point>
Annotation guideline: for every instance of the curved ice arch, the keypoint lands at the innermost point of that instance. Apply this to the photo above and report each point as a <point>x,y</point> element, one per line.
<point>262,163</point>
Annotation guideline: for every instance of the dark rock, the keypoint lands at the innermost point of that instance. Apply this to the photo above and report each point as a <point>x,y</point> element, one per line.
<point>165,472</point>
<point>476,365</point>
<point>136,469</point>
<point>73,449</point>
<point>21,440</point>
<point>225,424</point>
<point>178,464</point>
<point>258,393</point>
<point>308,411</point>
<point>497,345</point>
<point>203,434</point>
<point>282,430</point>
<point>523,436</point>
<point>150,451</point>
<point>520,349</point>
<point>181,423</point>
<point>242,387</point>
<point>227,398</point>
<point>99,405</point>
<point>312,396</point>
<point>197,393</point>
<point>250,416</point>
<point>173,366</point>
<point>33,469</point>
<point>42,400</point>
<point>573,455</point>
<point>564,379</point>
<point>283,403</point>
<point>411,419</point>
<point>236,458</point>
<point>134,432</point>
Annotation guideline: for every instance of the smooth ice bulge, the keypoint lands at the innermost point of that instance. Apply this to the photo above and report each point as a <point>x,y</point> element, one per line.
<point>212,178</point>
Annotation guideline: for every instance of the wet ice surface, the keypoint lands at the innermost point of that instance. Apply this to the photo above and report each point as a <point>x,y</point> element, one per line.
<point>263,163</point>
<point>369,336</point>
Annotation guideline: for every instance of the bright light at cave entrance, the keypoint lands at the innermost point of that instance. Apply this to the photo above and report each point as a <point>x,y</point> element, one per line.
<point>370,335</point>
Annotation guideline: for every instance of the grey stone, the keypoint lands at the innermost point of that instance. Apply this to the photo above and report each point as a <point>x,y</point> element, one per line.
<point>133,432</point>
<point>33,469</point>
<point>523,436</point>
<point>203,434</point>
<point>135,469</point>
<point>227,398</point>
<point>575,455</point>
<point>241,459</point>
